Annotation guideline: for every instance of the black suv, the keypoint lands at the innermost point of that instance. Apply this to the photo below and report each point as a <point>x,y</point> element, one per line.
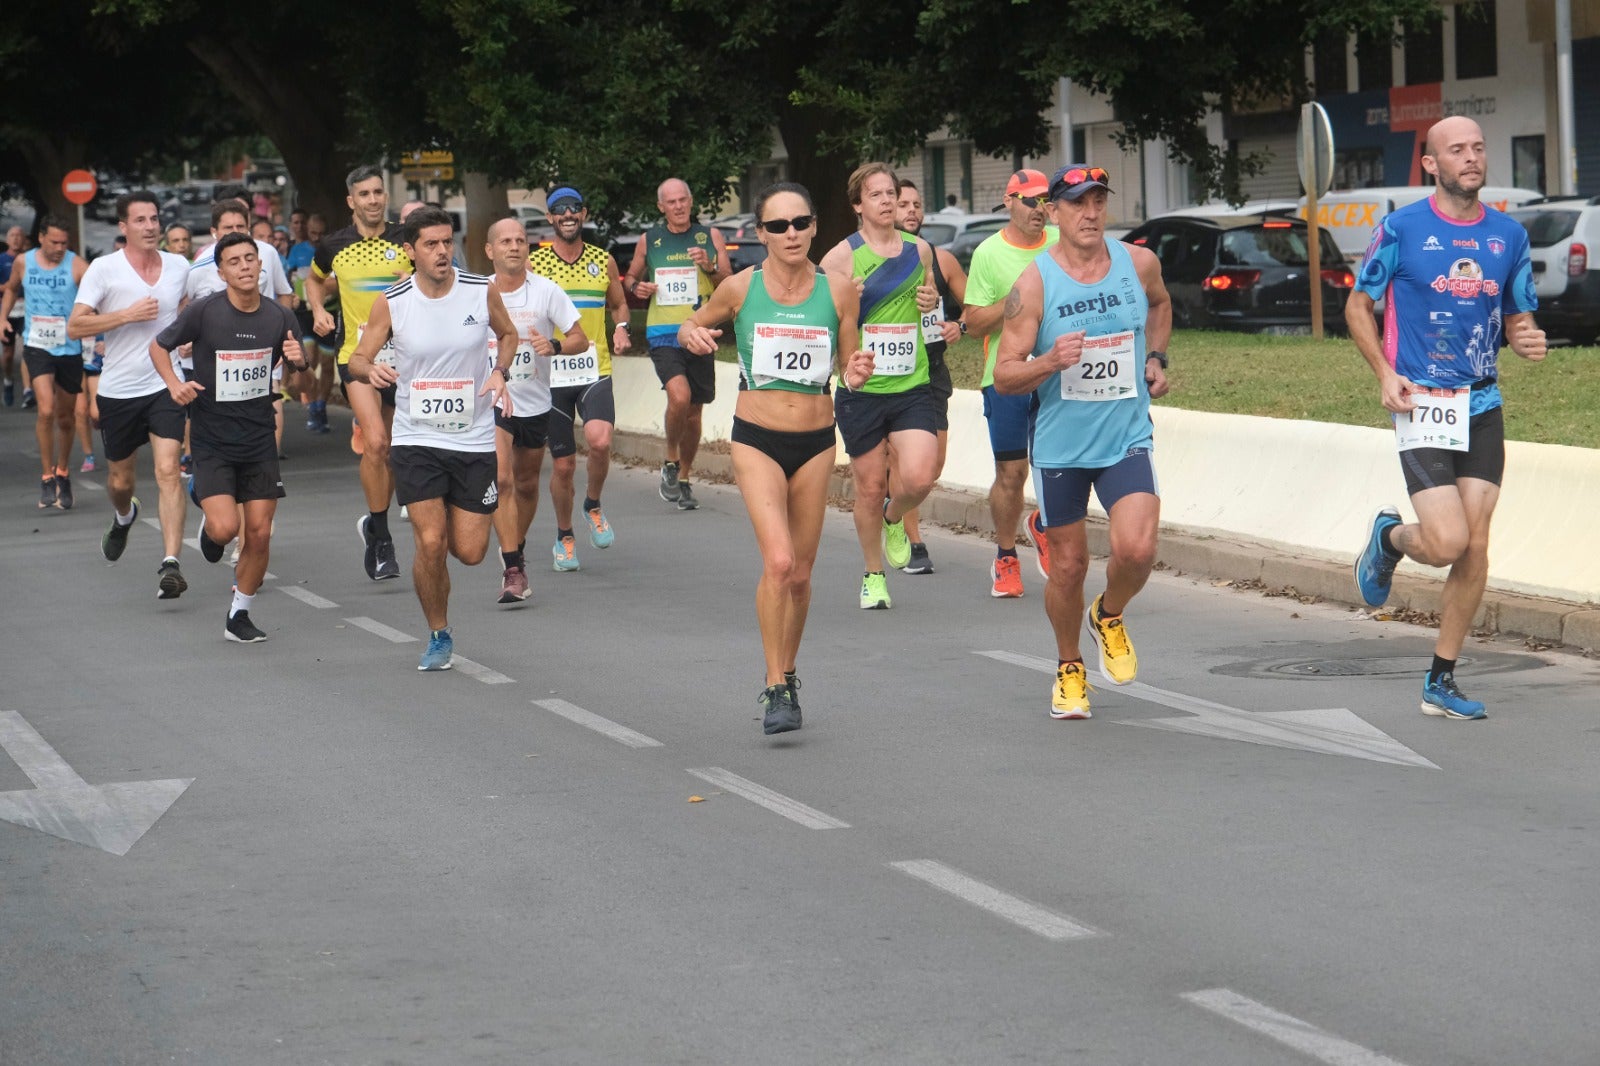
<point>1245,272</point>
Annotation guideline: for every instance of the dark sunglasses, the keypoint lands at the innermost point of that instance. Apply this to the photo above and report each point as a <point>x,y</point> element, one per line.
<point>567,209</point>
<point>1031,201</point>
<point>781,225</point>
<point>1078,175</point>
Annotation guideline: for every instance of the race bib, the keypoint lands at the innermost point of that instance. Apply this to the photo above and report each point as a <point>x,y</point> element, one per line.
<point>385,354</point>
<point>933,326</point>
<point>47,331</point>
<point>791,353</point>
<point>893,348</point>
<point>523,367</point>
<point>1108,370</point>
<point>1442,419</point>
<point>445,404</point>
<point>676,286</point>
<point>244,374</point>
<point>569,370</point>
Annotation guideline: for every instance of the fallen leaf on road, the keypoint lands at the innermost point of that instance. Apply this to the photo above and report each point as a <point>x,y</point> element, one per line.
<point>697,799</point>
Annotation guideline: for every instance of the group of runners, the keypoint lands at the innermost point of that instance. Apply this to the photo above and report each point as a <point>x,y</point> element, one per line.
<point>459,383</point>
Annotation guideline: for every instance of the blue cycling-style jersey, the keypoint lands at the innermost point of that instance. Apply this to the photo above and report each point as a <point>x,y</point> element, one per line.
<point>1448,285</point>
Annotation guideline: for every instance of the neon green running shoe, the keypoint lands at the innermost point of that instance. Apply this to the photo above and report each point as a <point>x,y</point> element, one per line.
<point>874,592</point>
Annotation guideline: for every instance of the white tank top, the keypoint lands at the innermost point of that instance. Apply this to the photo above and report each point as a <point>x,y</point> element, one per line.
<point>439,349</point>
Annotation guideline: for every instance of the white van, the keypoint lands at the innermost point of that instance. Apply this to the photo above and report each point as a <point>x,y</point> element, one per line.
<point>1352,214</point>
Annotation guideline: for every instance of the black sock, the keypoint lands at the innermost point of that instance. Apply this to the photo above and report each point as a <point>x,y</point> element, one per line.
<point>1387,541</point>
<point>590,504</point>
<point>1063,662</point>
<point>1005,553</point>
<point>511,559</point>
<point>1441,666</point>
<point>563,534</point>
<point>522,546</point>
<point>378,524</point>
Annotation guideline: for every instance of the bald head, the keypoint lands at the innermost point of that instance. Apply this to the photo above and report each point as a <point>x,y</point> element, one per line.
<point>1454,153</point>
<point>504,226</point>
<point>1456,130</point>
<point>675,203</point>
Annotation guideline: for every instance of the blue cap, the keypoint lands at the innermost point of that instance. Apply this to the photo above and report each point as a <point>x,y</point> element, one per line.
<point>565,192</point>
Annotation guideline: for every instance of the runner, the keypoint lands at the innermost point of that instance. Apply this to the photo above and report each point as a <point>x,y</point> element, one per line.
<point>538,310</point>
<point>130,296</point>
<point>179,241</point>
<point>1451,270</point>
<point>236,337</point>
<point>996,265</point>
<point>941,328</point>
<point>588,275</point>
<point>789,320</point>
<point>444,453</point>
<point>1086,329</point>
<point>366,257</point>
<point>48,277</point>
<point>896,406</point>
<point>320,351</point>
<point>88,400</point>
<point>11,327</point>
<point>685,260</point>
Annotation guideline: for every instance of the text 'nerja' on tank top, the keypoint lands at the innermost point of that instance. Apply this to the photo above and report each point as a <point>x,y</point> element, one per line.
<point>891,325</point>
<point>784,347</point>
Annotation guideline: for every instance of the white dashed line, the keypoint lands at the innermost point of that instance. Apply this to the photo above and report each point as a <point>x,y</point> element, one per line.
<point>310,599</point>
<point>479,671</point>
<point>1035,919</point>
<point>393,636</point>
<point>604,726</point>
<point>92,486</point>
<point>1287,1030</point>
<point>153,523</point>
<point>775,802</point>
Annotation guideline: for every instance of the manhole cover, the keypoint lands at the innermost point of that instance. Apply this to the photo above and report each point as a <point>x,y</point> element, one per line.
<point>1316,662</point>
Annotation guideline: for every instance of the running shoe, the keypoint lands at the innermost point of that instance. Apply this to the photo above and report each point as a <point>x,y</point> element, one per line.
<point>116,538</point>
<point>514,585</point>
<point>63,492</point>
<point>172,583</point>
<point>600,534</point>
<point>10,393</point>
<point>88,464</point>
<point>1443,699</point>
<point>233,556</point>
<point>186,465</point>
<point>920,562</point>
<point>311,417</point>
<point>669,482</point>
<point>686,500</point>
<point>792,679</point>
<point>874,592</point>
<point>1375,565</point>
<point>564,555</point>
<point>322,417</point>
<point>440,650</point>
<point>210,550</point>
<point>243,631</point>
<point>388,566</point>
<point>1118,663</point>
<point>896,545</point>
<point>779,712</point>
<point>405,513</point>
<point>1070,697</point>
<point>1040,544</point>
<point>1006,574</point>
<point>47,493</point>
<point>194,495</point>
<point>369,559</point>
<point>28,400</point>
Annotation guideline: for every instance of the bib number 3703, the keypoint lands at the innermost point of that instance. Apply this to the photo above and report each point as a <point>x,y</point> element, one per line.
<point>1441,419</point>
<point>445,404</point>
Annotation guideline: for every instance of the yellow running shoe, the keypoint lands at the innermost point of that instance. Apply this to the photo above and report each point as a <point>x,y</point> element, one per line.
<point>1118,663</point>
<point>1070,698</point>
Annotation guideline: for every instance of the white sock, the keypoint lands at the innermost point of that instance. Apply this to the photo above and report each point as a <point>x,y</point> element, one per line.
<point>241,602</point>
<point>124,519</point>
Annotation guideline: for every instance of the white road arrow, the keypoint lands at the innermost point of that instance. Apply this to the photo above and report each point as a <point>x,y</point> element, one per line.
<point>109,817</point>
<point>1334,731</point>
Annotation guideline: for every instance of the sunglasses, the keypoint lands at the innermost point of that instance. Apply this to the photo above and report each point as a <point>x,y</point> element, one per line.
<point>1031,201</point>
<point>781,225</point>
<point>1078,175</point>
<point>567,209</point>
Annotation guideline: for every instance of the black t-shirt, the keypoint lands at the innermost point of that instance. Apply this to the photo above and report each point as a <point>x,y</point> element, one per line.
<point>232,418</point>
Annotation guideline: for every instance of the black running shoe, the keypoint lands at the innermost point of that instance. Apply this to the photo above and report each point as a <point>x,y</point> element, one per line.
<point>63,492</point>
<point>243,631</point>
<point>172,583</point>
<point>779,713</point>
<point>116,538</point>
<point>370,558</point>
<point>388,567</point>
<point>210,550</point>
<point>793,681</point>
<point>47,493</point>
<point>686,500</point>
<point>920,563</point>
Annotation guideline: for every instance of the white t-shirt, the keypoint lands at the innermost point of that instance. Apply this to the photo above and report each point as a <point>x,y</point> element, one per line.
<point>542,307</point>
<point>439,348</point>
<point>111,284</point>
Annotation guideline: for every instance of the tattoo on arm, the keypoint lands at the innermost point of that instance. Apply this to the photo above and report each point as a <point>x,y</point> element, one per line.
<point>1013,302</point>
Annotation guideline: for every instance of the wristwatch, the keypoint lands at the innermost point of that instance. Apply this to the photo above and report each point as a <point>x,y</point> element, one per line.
<point>963,324</point>
<point>1160,357</point>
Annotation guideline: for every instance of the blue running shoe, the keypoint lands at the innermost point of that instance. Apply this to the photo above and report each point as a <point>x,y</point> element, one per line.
<point>440,650</point>
<point>193,494</point>
<point>1375,565</point>
<point>1442,699</point>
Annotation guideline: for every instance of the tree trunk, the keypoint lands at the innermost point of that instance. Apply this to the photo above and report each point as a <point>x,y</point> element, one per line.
<point>49,159</point>
<point>824,175</point>
<point>486,203</point>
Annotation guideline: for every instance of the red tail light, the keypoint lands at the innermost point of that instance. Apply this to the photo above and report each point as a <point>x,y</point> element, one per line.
<point>1277,224</point>
<point>1226,279</point>
<point>1577,260</point>
<point>1339,278</point>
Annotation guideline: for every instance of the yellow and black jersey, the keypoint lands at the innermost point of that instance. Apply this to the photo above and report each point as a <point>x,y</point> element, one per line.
<point>585,282</point>
<point>365,266</point>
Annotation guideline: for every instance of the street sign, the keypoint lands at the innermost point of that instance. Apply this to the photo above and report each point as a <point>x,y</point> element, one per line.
<point>423,166</point>
<point>79,187</point>
<point>1314,159</point>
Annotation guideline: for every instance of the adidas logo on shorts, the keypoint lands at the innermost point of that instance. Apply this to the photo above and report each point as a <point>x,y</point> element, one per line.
<point>492,495</point>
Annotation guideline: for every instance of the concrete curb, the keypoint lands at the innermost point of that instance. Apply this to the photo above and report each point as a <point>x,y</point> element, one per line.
<point>1544,621</point>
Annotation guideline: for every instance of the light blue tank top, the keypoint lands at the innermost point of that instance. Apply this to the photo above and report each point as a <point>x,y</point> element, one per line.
<point>49,294</point>
<point>1093,433</point>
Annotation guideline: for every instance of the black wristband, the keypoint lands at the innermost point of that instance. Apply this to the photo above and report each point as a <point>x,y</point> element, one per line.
<point>1158,356</point>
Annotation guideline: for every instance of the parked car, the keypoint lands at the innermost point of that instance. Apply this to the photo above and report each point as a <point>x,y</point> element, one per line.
<point>1562,233</point>
<point>739,234</point>
<point>1246,272</point>
<point>191,203</point>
